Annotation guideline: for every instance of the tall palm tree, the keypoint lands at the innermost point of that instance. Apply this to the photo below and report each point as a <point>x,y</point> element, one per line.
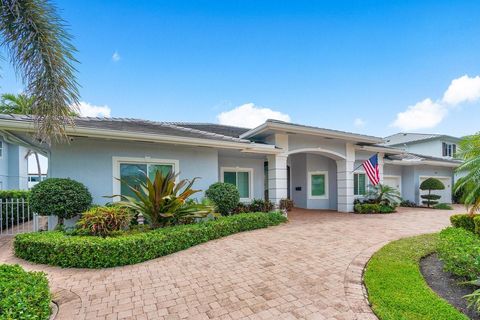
<point>41,52</point>
<point>469,184</point>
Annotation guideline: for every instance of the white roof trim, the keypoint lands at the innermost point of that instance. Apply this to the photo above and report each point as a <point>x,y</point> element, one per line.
<point>422,162</point>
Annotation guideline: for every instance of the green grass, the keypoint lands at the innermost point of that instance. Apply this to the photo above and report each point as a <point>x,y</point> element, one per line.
<point>396,286</point>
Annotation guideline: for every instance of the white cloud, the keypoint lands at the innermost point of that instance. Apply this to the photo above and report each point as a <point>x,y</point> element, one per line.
<point>116,57</point>
<point>423,115</point>
<point>463,89</point>
<point>249,116</point>
<point>359,123</point>
<point>89,110</point>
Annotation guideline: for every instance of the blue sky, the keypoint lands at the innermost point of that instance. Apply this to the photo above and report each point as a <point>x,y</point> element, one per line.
<point>348,65</point>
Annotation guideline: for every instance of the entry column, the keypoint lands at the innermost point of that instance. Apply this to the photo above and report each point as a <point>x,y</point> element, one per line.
<point>277,178</point>
<point>345,168</point>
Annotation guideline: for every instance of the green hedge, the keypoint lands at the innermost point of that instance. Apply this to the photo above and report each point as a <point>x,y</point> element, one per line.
<point>373,208</point>
<point>14,194</point>
<point>23,295</point>
<point>460,251</point>
<point>57,248</point>
<point>464,221</point>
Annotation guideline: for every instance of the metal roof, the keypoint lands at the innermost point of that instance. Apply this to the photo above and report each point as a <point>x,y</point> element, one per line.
<point>406,137</point>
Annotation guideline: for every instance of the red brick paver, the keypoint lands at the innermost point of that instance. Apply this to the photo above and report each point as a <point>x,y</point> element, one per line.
<point>309,268</point>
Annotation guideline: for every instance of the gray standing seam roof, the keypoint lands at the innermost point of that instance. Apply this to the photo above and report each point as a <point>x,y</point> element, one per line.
<point>405,137</point>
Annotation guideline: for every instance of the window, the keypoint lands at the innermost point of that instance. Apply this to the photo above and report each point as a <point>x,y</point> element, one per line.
<point>449,149</point>
<point>1,149</point>
<point>241,178</point>
<point>359,184</point>
<point>132,171</point>
<point>318,185</point>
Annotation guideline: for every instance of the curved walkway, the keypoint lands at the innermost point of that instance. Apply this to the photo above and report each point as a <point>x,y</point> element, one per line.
<point>309,268</point>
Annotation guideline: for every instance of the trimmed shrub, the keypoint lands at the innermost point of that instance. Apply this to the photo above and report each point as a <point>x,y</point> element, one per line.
<point>23,295</point>
<point>408,204</point>
<point>459,250</point>
<point>431,184</point>
<point>102,221</point>
<point>464,221</point>
<point>443,206</point>
<point>14,194</point>
<point>64,198</point>
<point>286,204</point>
<point>225,196</point>
<point>260,205</point>
<point>386,208</point>
<point>367,208</point>
<point>57,248</point>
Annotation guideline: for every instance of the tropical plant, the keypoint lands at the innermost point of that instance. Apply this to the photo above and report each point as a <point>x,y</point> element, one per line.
<point>473,298</point>
<point>103,221</point>
<point>64,198</point>
<point>40,50</point>
<point>225,196</point>
<point>16,103</point>
<point>384,194</point>
<point>286,204</point>
<point>469,184</point>
<point>163,201</point>
<point>431,184</point>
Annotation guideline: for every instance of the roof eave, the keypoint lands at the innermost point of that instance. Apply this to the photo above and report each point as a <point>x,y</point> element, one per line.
<point>313,131</point>
<point>423,162</point>
<point>18,125</point>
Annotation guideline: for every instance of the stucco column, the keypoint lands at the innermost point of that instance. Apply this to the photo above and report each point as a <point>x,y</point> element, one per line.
<point>277,178</point>
<point>345,168</point>
<point>380,165</point>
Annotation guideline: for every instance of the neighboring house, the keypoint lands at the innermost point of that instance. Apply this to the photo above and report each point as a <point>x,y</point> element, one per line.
<point>318,168</point>
<point>13,165</point>
<point>435,145</point>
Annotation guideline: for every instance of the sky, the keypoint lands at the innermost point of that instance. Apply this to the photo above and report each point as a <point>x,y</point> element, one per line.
<point>373,67</point>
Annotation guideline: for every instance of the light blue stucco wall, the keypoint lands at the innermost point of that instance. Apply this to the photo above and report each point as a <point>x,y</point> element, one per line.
<point>4,165</point>
<point>250,163</point>
<point>300,165</point>
<point>430,171</point>
<point>90,162</point>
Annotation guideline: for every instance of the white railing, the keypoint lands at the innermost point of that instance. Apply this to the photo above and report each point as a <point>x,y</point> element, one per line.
<point>15,217</point>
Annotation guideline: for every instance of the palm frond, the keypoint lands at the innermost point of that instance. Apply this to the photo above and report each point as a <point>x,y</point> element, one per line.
<point>41,52</point>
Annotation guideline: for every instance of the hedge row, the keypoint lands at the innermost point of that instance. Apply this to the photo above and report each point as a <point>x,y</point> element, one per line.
<point>467,222</point>
<point>14,194</point>
<point>23,295</point>
<point>460,251</point>
<point>373,208</point>
<point>57,248</point>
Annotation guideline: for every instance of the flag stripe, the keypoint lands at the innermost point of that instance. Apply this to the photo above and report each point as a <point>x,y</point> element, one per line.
<point>372,170</point>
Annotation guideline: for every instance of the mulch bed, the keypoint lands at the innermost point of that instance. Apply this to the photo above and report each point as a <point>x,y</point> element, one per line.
<point>446,285</point>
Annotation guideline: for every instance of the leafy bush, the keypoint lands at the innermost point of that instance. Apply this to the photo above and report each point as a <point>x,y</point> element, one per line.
<point>225,196</point>
<point>464,221</point>
<point>286,204</point>
<point>163,201</point>
<point>64,198</point>
<point>14,194</point>
<point>443,206</point>
<point>384,194</point>
<point>367,208</point>
<point>257,205</point>
<point>431,184</point>
<point>102,221</point>
<point>460,251</point>
<point>386,208</point>
<point>23,295</point>
<point>57,248</point>
<point>408,204</point>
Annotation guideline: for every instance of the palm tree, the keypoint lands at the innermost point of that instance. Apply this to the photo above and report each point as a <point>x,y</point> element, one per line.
<point>469,184</point>
<point>40,50</point>
<point>382,193</point>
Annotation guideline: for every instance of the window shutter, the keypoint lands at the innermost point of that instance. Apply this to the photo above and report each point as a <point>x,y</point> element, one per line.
<point>454,150</point>
<point>355,184</point>
<point>361,184</point>
<point>444,149</point>
<point>243,185</point>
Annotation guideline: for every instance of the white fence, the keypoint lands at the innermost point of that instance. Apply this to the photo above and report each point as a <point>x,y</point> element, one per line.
<point>15,217</point>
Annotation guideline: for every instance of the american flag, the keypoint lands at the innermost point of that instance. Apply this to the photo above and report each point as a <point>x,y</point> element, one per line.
<point>371,169</point>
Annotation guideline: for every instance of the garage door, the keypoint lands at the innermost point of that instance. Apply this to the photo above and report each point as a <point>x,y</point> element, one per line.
<point>446,193</point>
<point>394,182</point>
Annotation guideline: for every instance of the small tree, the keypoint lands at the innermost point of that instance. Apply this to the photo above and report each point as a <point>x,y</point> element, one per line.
<point>431,184</point>
<point>64,198</point>
<point>225,196</point>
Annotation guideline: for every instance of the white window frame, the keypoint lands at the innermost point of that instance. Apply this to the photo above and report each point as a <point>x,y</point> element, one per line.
<point>309,185</point>
<point>146,160</point>
<point>236,170</point>
<point>449,147</point>
<point>367,185</point>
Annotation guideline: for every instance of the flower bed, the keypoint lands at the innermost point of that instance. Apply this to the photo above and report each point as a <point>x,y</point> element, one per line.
<point>23,295</point>
<point>60,249</point>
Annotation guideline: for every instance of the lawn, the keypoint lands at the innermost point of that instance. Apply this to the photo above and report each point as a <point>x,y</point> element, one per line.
<point>396,287</point>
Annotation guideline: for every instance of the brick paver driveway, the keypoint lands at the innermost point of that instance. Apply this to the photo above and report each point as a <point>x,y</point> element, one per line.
<point>309,268</point>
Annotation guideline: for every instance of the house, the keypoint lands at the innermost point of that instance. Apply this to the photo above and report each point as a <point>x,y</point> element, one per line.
<point>434,145</point>
<point>316,167</point>
<point>13,165</point>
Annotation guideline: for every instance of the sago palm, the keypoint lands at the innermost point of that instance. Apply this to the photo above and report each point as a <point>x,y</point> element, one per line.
<point>469,183</point>
<point>41,52</point>
<point>382,193</point>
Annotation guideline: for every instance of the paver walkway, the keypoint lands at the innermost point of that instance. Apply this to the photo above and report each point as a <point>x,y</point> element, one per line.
<point>309,268</point>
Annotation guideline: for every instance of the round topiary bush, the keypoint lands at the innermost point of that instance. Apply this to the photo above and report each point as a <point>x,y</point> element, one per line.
<point>225,196</point>
<point>431,184</point>
<point>64,198</point>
